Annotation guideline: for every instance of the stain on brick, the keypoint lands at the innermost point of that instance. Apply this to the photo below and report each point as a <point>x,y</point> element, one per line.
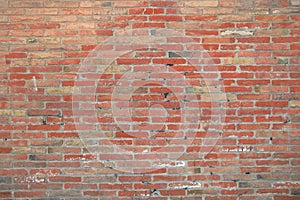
<point>17,113</point>
<point>254,184</point>
<point>32,157</point>
<point>197,170</point>
<point>283,61</point>
<point>295,103</point>
<point>106,4</point>
<point>173,54</point>
<point>295,2</point>
<point>5,180</point>
<point>28,150</point>
<point>63,90</point>
<point>295,191</point>
<point>195,192</point>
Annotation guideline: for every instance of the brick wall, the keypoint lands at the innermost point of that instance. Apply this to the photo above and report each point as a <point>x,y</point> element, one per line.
<point>179,99</point>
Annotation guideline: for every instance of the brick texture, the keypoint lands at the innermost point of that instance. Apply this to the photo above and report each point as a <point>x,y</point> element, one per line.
<point>157,99</point>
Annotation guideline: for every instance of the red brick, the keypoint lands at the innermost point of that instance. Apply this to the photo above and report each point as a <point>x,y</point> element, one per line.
<point>272,104</point>
<point>161,3</point>
<point>11,26</point>
<point>30,194</point>
<point>226,3</point>
<point>253,97</point>
<point>270,191</point>
<point>96,32</point>
<point>132,61</point>
<point>201,32</point>
<point>217,25</point>
<point>254,40</point>
<point>218,40</point>
<point>16,55</point>
<point>148,25</point>
<point>5,150</point>
<point>5,194</point>
<point>271,18</point>
<point>285,39</point>
<point>285,197</point>
<point>43,127</point>
<point>44,26</point>
<point>19,172</point>
<point>201,17</point>
<point>253,25</point>
<point>165,18</point>
<point>64,62</point>
<point>286,25</point>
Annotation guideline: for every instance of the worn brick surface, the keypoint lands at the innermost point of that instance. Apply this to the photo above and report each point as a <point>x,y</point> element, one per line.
<point>158,99</point>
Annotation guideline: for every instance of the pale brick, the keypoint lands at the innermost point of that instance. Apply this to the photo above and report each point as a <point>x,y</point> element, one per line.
<point>238,61</point>
<point>295,2</point>
<point>62,90</point>
<point>295,103</point>
<point>212,3</point>
<point>17,113</point>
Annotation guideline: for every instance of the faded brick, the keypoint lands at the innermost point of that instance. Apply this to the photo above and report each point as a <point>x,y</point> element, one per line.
<point>5,180</point>
<point>117,69</point>
<point>44,55</point>
<point>28,150</point>
<point>295,191</point>
<point>17,113</point>
<point>62,90</point>
<point>195,192</point>
<point>100,179</point>
<point>209,3</point>
<point>295,2</point>
<point>197,90</point>
<point>74,143</point>
<point>295,103</point>
<point>254,184</point>
<point>238,61</point>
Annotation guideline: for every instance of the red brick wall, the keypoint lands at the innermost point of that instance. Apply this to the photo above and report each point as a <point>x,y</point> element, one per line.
<point>150,99</point>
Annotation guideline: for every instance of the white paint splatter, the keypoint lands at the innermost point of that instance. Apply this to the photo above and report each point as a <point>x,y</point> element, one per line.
<point>171,164</point>
<point>237,32</point>
<point>191,185</point>
<point>36,178</point>
<point>145,195</point>
<point>34,83</point>
<point>239,149</point>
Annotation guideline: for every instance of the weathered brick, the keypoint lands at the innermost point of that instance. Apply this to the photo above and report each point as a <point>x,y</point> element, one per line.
<point>295,2</point>
<point>211,3</point>
<point>295,103</point>
<point>6,180</point>
<point>43,55</point>
<point>18,113</point>
<point>27,150</point>
<point>254,184</point>
<point>63,90</point>
<point>295,191</point>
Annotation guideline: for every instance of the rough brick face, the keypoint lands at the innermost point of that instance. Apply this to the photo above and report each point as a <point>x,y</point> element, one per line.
<point>177,99</point>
